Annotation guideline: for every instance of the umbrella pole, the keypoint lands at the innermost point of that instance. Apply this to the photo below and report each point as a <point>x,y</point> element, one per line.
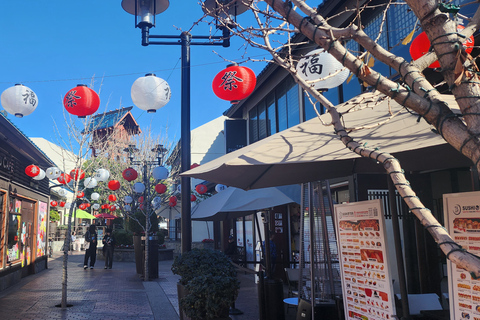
<point>398,250</point>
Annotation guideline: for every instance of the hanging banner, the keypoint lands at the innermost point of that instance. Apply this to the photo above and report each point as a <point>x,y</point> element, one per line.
<point>42,228</point>
<point>362,244</point>
<point>462,220</point>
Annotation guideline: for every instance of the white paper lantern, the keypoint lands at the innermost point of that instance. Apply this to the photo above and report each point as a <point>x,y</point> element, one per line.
<point>95,196</point>
<point>53,173</point>
<point>19,100</point>
<point>102,175</point>
<point>62,192</point>
<point>96,206</point>
<point>90,183</point>
<point>150,93</point>
<point>138,187</point>
<point>40,176</point>
<point>220,187</point>
<point>160,173</point>
<point>68,205</point>
<point>318,64</point>
<point>156,202</point>
<point>127,207</point>
<point>128,199</point>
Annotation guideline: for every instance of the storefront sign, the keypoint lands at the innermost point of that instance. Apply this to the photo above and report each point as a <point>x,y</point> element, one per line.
<point>462,220</point>
<point>366,281</point>
<point>6,162</point>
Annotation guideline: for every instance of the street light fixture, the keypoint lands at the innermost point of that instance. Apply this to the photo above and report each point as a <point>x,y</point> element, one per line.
<point>146,10</point>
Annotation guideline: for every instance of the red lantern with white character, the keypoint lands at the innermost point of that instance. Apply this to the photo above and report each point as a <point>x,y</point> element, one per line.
<point>112,198</point>
<point>82,206</point>
<point>234,83</point>
<point>64,178</point>
<point>113,185</point>
<point>201,188</point>
<point>32,170</point>
<point>129,174</point>
<point>81,101</point>
<point>80,194</point>
<point>160,188</point>
<point>113,208</point>
<point>62,204</point>
<point>421,45</point>
<point>53,203</point>
<point>77,174</point>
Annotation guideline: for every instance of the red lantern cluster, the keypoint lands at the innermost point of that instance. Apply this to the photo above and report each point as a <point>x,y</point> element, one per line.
<point>234,83</point>
<point>81,101</point>
<point>112,198</point>
<point>113,185</point>
<point>32,170</point>
<point>64,178</point>
<point>129,174</point>
<point>201,188</point>
<point>77,174</point>
<point>160,188</point>
<point>172,202</point>
<point>53,203</point>
<point>421,45</point>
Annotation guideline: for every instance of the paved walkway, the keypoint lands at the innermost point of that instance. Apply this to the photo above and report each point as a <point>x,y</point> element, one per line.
<point>116,294</point>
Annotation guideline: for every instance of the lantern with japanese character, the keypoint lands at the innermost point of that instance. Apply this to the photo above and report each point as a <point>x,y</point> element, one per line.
<point>201,188</point>
<point>54,203</point>
<point>150,93</point>
<point>62,204</point>
<point>52,173</point>
<point>129,174</point>
<point>19,100</point>
<point>40,176</point>
<point>81,101</point>
<point>113,185</point>
<point>234,83</point>
<point>112,198</point>
<point>32,170</point>
<point>83,206</point>
<point>160,188</point>
<point>80,194</point>
<point>321,70</point>
<point>77,174</point>
<point>64,178</point>
<point>421,45</point>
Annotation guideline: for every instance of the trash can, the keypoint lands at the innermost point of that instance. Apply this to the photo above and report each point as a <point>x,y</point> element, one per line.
<point>152,256</point>
<point>273,299</point>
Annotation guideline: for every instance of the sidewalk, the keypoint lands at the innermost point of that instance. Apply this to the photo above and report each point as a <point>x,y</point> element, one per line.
<point>101,294</point>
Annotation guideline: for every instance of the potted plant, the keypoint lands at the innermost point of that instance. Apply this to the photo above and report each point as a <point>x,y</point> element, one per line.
<point>208,284</point>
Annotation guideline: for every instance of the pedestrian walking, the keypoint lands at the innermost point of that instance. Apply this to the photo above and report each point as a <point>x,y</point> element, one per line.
<point>90,246</point>
<point>108,246</point>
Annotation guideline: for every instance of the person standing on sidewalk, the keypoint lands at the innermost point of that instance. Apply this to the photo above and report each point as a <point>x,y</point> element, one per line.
<point>108,246</point>
<point>90,246</point>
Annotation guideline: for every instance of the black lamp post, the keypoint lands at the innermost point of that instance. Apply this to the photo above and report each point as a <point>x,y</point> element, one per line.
<point>146,11</point>
<point>159,151</point>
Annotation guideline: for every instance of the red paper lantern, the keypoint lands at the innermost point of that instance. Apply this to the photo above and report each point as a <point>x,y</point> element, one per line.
<point>140,199</point>
<point>80,194</point>
<point>129,174</point>
<point>113,185</point>
<point>421,45</point>
<point>173,199</point>
<point>113,208</point>
<point>53,203</point>
<point>77,174</point>
<point>88,205</point>
<point>172,204</point>
<point>81,101</point>
<point>82,206</point>
<point>102,206</point>
<point>62,204</point>
<point>193,166</point>
<point>112,198</point>
<point>201,188</point>
<point>64,178</point>
<point>160,188</point>
<point>32,170</point>
<point>234,83</point>
<point>193,198</point>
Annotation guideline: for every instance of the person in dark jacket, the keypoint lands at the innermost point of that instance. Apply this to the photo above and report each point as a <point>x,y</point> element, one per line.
<point>231,249</point>
<point>91,244</point>
<point>108,246</point>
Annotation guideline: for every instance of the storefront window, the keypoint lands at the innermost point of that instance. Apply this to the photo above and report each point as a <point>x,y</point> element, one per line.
<point>14,232</point>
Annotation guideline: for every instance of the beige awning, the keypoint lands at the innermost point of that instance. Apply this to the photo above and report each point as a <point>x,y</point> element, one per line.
<point>311,151</point>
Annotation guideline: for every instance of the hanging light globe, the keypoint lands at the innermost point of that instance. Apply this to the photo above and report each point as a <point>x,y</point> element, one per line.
<point>95,196</point>
<point>96,206</point>
<point>220,187</point>
<point>102,175</point>
<point>90,183</point>
<point>138,187</point>
<point>40,176</point>
<point>160,173</point>
<point>128,199</point>
<point>19,100</point>
<point>127,207</point>
<point>53,173</point>
<point>62,192</point>
<point>150,93</point>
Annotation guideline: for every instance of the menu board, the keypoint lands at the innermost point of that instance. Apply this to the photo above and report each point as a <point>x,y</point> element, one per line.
<point>462,220</point>
<point>366,283</point>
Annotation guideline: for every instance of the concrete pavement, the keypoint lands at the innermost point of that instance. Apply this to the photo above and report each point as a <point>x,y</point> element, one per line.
<point>115,294</point>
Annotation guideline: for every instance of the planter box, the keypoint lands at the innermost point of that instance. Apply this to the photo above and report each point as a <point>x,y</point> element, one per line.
<point>128,255</point>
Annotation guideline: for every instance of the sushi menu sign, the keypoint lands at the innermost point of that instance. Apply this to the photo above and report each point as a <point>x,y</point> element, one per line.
<point>367,293</point>
<point>462,220</point>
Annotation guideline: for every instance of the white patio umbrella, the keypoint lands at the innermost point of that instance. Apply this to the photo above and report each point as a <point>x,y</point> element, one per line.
<point>233,202</point>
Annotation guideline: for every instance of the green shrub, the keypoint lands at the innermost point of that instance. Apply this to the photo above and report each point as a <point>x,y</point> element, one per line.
<point>123,238</point>
<point>136,228</point>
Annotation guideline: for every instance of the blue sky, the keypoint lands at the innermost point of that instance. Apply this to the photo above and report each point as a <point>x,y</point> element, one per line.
<point>51,46</point>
